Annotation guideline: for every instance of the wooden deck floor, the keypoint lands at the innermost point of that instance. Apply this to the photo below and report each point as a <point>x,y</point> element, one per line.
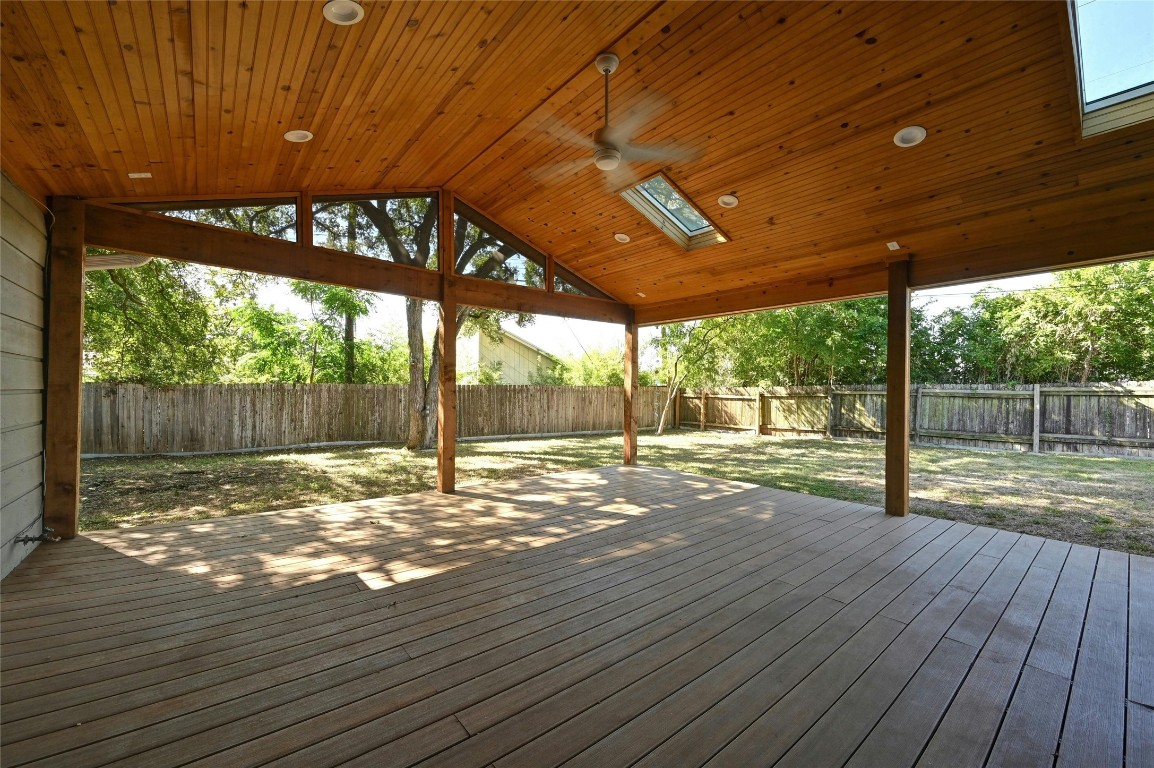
<point>622,616</point>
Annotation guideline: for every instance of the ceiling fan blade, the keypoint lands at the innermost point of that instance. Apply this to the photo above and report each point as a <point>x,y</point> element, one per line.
<point>554,174</point>
<point>569,135</point>
<point>621,179</point>
<point>644,153</point>
<point>644,111</point>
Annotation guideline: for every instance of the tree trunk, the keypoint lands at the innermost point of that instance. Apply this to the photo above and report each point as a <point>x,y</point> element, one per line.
<point>313,361</point>
<point>350,347</point>
<point>417,384</point>
<point>670,393</point>
<point>1086,364</point>
<point>432,389</point>
<point>433,393</point>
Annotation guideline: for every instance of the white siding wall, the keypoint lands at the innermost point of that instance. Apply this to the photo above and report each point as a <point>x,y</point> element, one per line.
<point>23,248</point>
<point>518,362</point>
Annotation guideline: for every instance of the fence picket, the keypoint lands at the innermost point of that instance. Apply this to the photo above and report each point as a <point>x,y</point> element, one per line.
<point>1115,419</point>
<point>133,419</point>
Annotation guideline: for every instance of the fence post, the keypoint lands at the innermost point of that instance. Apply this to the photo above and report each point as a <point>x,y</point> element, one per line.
<point>829,412</point>
<point>918,413</point>
<point>704,408</point>
<point>1037,418</point>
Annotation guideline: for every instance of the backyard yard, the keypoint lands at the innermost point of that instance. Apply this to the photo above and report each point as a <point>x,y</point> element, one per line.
<point>1100,501</point>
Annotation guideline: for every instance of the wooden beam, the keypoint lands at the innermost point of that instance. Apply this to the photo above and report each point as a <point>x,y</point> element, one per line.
<point>631,391</point>
<point>65,314</point>
<point>871,282</point>
<point>1111,241</point>
<point>898,391</point>
<point>124,229</point>
<point>490,294</point>
<point>447,375</point>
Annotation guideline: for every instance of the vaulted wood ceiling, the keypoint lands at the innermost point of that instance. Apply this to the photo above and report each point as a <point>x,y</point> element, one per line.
<point>793,107</point>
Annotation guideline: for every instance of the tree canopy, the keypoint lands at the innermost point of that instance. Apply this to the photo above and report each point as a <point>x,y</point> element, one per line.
<point>1092,324</point>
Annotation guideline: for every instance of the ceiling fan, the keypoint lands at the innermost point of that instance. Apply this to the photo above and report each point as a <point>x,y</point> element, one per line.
<point>611,146</point>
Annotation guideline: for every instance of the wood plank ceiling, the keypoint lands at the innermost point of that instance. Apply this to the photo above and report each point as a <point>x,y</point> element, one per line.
<point>792,106</point>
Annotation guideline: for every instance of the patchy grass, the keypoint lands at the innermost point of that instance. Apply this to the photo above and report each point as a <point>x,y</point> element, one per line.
<point>1099,501</point>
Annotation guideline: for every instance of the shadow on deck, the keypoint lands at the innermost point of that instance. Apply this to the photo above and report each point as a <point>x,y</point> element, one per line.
<point>618,616</point>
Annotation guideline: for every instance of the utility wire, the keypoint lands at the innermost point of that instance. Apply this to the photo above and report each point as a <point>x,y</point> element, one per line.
<point>996,290</point>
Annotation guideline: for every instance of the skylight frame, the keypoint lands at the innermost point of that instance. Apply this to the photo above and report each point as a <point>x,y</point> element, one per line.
<point>648,206</point>
<point>1108,113</point>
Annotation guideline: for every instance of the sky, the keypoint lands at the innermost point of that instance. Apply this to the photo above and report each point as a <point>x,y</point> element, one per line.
<point>1117,42</point>
<point>568,338</point>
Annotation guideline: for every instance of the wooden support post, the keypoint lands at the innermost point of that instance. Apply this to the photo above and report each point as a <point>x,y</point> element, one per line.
<point>677,393</point>
<point>447,375</point>
<point>898,391</point>
<point>631,399</point>
<point>1037,418</point>
<point>65,315</point>
<point>305,219</point>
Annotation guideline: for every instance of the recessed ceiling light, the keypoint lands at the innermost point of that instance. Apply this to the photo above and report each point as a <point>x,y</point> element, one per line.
<point>728,201</point>
<point>642,295</point>
<point>910,136</point>
<point>343,12</point>
<point>893,245</point>
<point>298,137</point>
<point>140,175</point>
<point>621,237</point>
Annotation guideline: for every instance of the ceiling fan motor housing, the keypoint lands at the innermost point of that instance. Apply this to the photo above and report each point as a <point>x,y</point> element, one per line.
<point>606,157</point>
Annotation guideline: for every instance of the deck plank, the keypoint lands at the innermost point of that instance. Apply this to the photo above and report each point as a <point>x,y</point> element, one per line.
<point>1094,730</point>
<point>609,617</point>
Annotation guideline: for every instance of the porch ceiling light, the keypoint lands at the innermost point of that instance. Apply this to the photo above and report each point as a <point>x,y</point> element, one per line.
<point>298,137</point>
<point>910,136</point>
<point>343,12</point>
<point>621,237</point>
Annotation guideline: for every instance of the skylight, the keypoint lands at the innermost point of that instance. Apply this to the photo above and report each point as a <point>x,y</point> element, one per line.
<point>673,214</point>
<point>1114,42</point>
<point>659,192</point>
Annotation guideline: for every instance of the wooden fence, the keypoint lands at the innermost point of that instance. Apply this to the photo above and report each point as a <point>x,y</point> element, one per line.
<point>134,419</point>
<point>1115,419</point>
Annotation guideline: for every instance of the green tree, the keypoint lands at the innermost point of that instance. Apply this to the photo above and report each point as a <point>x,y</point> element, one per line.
<point>686,350</point>
<point>159,324</point>
<point>404,230</point>
<point>334,313</point>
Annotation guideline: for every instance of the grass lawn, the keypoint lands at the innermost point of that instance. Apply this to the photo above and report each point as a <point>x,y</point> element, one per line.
<point>1105,502</point>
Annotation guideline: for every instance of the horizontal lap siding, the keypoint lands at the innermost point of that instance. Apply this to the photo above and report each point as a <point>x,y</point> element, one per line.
<point>23,248</point>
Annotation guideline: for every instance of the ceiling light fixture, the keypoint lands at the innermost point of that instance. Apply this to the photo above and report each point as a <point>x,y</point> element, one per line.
<point>893,245</point>
<point>621,237</point>
<point>642,295</point>
<point>910,136</point>
<point>343,12</point>
<point>298,137</point>
<point>140,175</point>
<point>728,201</point>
